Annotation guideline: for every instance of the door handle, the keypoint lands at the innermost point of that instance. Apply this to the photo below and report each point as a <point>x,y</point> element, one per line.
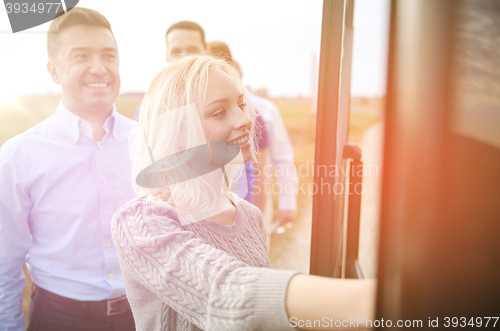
<point>353,152</point>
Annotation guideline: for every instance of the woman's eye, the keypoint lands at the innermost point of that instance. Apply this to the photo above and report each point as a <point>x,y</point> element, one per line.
<point>219,114</point>
<point>80,56</point>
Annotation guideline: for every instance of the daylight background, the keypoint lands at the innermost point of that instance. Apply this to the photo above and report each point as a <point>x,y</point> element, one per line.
<point>274,41</point>
<point>277,44</point>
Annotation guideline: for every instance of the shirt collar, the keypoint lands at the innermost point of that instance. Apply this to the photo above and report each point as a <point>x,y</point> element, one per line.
<point>71,122</point>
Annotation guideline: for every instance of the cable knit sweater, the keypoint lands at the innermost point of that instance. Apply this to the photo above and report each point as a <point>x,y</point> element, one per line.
<point>198,276</point>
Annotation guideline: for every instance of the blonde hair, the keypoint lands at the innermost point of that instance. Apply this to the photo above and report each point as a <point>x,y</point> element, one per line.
<point>167,126</point>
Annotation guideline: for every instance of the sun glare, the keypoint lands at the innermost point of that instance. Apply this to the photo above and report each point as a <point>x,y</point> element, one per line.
<point>6,99</point>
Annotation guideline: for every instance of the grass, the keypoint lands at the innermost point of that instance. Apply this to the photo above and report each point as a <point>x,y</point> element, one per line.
<point>17,117</point>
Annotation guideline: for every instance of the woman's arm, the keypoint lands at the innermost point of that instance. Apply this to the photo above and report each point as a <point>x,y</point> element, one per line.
<point>214,290</point>
<point>207,286</point>
<point>327,299</point>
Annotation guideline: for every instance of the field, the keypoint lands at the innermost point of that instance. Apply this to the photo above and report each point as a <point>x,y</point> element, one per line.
<point>22,113</point>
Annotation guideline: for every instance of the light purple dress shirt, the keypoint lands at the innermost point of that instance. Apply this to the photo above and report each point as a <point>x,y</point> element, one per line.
<point>59,189</point>
<point>280,152</point>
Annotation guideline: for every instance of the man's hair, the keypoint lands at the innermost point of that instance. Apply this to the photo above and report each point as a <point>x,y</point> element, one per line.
<point>76,16</point>
<point>187,25</point>
<point>221,50</point>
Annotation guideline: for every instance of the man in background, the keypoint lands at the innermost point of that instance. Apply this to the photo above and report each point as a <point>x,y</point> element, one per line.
<point>182,38</point>
<point>61,182</point>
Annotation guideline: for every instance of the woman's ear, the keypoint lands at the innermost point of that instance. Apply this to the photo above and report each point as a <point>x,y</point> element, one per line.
<point>51,67</point>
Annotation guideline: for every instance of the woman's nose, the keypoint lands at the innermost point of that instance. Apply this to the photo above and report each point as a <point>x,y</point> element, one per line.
<point>243,120</point>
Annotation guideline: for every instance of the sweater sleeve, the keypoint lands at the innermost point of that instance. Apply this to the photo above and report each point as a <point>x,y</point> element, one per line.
<point>205,285</point>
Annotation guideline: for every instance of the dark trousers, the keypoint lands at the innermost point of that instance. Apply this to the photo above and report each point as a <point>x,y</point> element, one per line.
<point>51,312</point>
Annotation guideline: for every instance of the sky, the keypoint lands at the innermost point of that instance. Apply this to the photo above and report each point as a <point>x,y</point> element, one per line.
<point>274,42</point>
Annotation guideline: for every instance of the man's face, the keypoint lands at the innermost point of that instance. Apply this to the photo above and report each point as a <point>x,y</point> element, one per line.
<point>86,66</point>
<point>181,42</point>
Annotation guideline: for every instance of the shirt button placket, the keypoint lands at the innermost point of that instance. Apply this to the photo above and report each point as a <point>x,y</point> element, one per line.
<point>106,205</point>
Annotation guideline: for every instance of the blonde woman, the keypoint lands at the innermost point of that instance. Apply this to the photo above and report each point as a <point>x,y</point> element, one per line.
<point>193,255</point>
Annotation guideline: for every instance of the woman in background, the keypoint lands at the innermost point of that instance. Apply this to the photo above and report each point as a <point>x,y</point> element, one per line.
<point>193,254</point>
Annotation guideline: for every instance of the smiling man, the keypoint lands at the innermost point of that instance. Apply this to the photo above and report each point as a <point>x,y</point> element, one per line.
<point>62,181</point>
<point>83,59</point>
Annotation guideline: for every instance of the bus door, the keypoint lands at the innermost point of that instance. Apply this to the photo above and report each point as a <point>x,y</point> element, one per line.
<point>333,154</point>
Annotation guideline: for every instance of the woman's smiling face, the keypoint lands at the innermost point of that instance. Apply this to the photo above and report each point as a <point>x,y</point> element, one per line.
<point>224,116</point>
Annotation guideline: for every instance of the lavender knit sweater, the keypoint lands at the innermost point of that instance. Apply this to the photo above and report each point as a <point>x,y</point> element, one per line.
<point>200,276</point>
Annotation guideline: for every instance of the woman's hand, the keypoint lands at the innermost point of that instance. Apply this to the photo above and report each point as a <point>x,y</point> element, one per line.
<point>323,299</point>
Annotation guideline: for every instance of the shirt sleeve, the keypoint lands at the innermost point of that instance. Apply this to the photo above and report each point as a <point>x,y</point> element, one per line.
<point>205,285</point>
<point>15,205</point>
<point>137,112</point>
<point>261,133</point>
<point>281,156</point>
